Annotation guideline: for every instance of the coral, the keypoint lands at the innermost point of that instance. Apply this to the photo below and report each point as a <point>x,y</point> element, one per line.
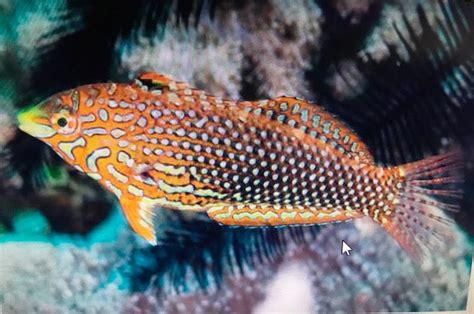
<point>309,275</point>
<point>214,54</point>
<point>353,10</point>
<point>279,43</point>
<point>26,29</point>
<point>405,15</point>
<point>377,276</point>
<point>42,278</point>
<point>440,283</point>
<point>203,57</point>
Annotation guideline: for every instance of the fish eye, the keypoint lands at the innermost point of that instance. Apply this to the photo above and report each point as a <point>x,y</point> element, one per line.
<point>62,122</point>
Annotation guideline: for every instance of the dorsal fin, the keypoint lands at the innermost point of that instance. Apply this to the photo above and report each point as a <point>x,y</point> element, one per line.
<point>312,120</point>
<point>155,81</point>
<point>292,111</point>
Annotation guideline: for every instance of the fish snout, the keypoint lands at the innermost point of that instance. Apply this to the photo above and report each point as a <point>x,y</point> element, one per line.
<point>35,122</point>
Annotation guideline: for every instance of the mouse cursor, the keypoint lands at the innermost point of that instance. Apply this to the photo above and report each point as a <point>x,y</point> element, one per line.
<point>345,249</point>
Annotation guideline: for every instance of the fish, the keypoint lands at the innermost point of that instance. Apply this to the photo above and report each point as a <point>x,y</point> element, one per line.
<point>158,143</point>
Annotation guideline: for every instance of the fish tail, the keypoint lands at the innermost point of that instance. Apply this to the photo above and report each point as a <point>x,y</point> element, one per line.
<point>426,191</point>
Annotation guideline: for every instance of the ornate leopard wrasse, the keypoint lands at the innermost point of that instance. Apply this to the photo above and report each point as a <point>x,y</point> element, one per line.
<point>158,143</point>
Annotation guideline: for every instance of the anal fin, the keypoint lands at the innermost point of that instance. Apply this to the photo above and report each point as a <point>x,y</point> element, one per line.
<point>274,215</point>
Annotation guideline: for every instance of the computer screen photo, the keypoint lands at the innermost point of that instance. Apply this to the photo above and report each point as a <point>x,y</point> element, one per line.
<point>236,156</point>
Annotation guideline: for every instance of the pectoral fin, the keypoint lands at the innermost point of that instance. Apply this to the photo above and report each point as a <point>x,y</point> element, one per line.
<point>140,218</point>
<point>268,215</point>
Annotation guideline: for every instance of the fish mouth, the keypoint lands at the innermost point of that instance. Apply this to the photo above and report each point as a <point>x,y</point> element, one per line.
<point>35,122</point>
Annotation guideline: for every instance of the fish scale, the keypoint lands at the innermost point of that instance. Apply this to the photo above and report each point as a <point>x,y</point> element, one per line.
<point>161,144</point>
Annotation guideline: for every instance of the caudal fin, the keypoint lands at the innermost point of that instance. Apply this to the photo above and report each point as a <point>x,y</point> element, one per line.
<point>429,188</point>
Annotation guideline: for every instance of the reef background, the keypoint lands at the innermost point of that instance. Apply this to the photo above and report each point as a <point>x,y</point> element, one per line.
<point>401,73</point>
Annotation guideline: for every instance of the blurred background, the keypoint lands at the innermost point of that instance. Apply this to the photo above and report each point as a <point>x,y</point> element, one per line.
<point>400,73</point>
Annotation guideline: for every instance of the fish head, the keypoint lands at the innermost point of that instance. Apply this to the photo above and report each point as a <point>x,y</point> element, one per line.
<point>54,121</point>
<point>54,117</point>
<point>76,124</point>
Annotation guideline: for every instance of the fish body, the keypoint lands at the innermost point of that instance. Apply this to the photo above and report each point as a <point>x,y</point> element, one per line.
<point>158,143</point>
